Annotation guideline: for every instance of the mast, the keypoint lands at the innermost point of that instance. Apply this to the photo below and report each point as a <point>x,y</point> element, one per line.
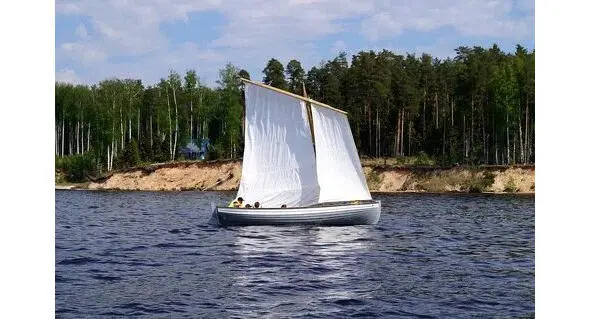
<point>309,112</point>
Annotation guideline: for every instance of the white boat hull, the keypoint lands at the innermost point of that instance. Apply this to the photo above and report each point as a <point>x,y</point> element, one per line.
<point>333,214</point>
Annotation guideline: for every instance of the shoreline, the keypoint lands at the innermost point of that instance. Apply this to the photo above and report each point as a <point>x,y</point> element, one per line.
<point>224,175</point>
<point>78,188</point>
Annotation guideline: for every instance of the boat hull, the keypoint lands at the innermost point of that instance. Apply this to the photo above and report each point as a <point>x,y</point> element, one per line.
<point>342,214</point>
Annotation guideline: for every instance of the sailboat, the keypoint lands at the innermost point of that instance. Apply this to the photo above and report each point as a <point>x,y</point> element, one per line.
<point>300,163</point>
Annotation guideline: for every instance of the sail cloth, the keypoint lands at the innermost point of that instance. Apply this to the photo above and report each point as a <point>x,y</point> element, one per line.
<point>340,175</point>
<point>278,166</point>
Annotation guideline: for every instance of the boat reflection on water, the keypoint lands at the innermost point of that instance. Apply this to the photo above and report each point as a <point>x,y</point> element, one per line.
<point>284,269</point>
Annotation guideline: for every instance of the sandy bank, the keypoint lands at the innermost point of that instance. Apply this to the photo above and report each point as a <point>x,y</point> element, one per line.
<point>225,175</point>
<point>455,179</point>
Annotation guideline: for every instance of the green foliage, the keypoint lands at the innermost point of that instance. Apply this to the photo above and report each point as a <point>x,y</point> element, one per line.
<point>474,108</point>
<point>75,168</point>
<point>213,154</point>
<point>373,180</point>
<point>244,74</point>
<point>510,187</point>
<point>461,180</point>
<point>481,183</point>
<point>60,177</point>
<point>423,159</point>
<point>132,154</point>
<point>160,149</point>
<point>229,78</point>
<point>295,73</point>
<point>130,157</point>
<point>274,74</point>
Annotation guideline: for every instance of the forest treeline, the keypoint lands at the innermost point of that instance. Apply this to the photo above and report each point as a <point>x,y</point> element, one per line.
<point>475,108</point>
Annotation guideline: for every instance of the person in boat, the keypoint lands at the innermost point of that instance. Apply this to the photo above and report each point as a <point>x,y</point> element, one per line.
<point>248,206</point>
<point>238,203</point>
<point>257,205</point>
<point>283,206</point>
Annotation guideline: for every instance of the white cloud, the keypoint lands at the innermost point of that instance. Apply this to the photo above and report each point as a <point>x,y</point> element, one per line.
<point>131,27</point>
<point>338,46</point>
<point>67,75</point>
<point>151,68</point>
<point>525,5</point>
<point>267,22</point>
<point>130,30</point>
<point>82,52</point>
<point>257,30</point>
<point>81,32</point>
<point>484,18</point>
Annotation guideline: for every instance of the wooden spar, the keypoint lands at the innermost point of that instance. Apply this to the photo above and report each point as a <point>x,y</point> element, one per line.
<point>309,112</point>
<point>305,99</point>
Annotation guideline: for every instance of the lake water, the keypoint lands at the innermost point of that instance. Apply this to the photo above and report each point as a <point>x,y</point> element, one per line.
<point>154,255</point>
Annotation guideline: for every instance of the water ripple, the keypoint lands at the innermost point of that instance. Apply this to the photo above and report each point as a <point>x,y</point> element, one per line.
<point>155,255</point>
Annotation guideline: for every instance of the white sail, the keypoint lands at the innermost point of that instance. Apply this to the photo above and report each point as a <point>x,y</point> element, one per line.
<point>278,166</point>
<point>340,175</point>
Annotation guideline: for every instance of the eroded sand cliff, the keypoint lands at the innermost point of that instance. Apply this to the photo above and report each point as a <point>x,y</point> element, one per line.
<point>225,175</point>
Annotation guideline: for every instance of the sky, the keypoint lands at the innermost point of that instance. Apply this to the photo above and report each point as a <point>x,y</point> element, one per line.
<point>145,39</point>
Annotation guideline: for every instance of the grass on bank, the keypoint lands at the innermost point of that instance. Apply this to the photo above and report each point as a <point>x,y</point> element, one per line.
<point>469,180</point>
<point>407,161</point>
